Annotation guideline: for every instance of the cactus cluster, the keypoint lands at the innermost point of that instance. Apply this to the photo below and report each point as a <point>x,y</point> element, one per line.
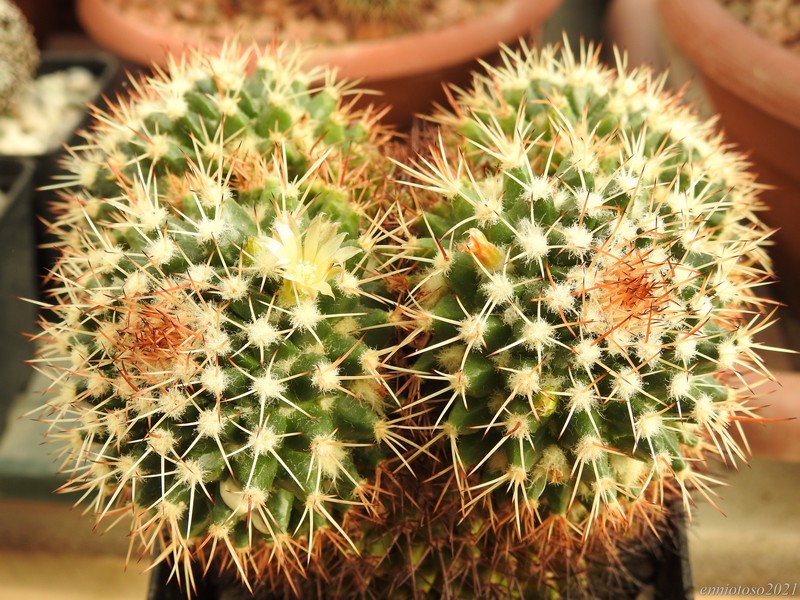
<point>19,56</point>
<point>469,372</point>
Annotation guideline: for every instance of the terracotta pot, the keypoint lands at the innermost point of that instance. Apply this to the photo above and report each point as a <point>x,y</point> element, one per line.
<point>754,84</point>
<point>409,69</point>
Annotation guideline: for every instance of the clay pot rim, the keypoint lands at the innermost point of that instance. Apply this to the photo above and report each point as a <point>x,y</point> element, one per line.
<point>391,58</point>
<point>737,58</point>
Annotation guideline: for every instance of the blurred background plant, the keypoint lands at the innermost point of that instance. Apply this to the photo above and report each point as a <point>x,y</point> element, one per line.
<point>19,56</point>
<point>38,111</point>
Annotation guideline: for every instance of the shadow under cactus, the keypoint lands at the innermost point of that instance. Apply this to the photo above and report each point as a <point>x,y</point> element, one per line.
<point>458,559</point>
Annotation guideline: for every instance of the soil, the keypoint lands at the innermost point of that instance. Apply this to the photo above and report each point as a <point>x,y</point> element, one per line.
<point>296,20</point>
<point>776,20</point>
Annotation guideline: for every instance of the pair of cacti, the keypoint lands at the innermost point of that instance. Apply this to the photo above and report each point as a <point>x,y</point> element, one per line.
<point>463,372</point>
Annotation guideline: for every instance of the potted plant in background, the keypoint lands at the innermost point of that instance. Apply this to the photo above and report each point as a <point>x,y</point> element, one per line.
<point>408,48</point>
<point>18,54</point>
<point>42,99</point>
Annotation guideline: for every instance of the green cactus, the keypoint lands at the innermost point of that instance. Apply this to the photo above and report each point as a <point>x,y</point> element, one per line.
<point>419,544</point>
<point>588,256</point>
<point>220,316</point>
<point>19,56</point>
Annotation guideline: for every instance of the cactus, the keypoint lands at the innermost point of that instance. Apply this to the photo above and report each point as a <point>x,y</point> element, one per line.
<point>584,306</point>
<point>19,56</point>
<point>419,544</point>
<point>220,316</point>
<point>422,548</point>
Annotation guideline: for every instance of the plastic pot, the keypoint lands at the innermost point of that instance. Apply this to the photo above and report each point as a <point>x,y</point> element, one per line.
<point>17,278</point>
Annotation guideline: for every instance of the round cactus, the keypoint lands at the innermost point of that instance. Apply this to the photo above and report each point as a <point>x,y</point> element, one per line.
<point>220,316</point>
<point>420,545</point>
<point>584,307</point>
<point>19,56</point>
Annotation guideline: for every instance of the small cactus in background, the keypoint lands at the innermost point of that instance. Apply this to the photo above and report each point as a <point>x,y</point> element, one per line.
<point>220,317</point>
<point>19,56</point>
<point>584,306</point>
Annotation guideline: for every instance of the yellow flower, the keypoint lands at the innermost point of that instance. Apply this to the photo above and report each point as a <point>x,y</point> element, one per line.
<point>308,259</point>
<point>483,251</point>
